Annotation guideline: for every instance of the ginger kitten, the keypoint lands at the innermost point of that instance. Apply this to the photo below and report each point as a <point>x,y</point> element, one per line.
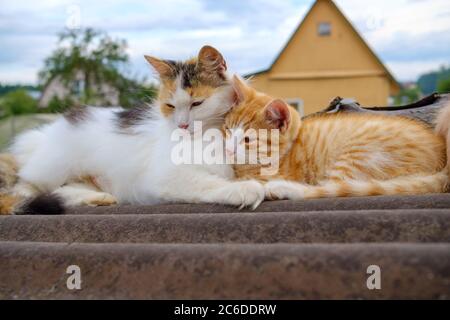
<point>337,155</point>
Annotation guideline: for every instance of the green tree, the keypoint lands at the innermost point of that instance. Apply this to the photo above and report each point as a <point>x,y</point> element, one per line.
<point>18,102</point>
<point>444,86</point>
<point>57,105</point>
<point>6,88</point>
<point>407,95</point>
<point>133,93</point>
<point>428,83</point>
<point>98,57</point>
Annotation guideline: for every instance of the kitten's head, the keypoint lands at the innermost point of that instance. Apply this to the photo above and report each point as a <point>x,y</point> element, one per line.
<point>253,111</point>
<point>195,90</point>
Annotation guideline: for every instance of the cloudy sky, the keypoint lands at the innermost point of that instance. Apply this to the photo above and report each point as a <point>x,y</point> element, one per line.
<point>410,36</point>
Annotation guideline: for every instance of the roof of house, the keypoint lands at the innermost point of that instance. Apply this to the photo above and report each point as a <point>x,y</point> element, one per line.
<point>352,27</point>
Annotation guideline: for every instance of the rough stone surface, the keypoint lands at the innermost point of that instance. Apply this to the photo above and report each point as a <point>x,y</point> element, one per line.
<point>432,201</point>
<point>182,271</point>
<point>424,225</point>
<point>315,249</point>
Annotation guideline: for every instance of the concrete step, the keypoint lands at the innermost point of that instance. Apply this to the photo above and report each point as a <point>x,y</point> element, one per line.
<point>420,225</point>
<point>284,250</point>
<point>431,201</point>
<point>223,271</point>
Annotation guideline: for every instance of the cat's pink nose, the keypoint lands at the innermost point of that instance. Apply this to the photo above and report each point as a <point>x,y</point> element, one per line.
<point>183,126</point>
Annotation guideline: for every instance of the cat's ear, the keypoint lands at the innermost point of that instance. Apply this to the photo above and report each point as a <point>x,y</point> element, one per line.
<point>240,89</point>
<point>211,60</point>
<point>278,115</point>
<point>163,68</point>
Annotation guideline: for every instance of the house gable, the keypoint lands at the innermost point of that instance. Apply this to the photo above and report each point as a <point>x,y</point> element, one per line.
<point>342,53</point>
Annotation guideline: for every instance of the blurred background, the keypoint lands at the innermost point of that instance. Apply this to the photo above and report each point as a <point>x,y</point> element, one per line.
<point>56,53</point>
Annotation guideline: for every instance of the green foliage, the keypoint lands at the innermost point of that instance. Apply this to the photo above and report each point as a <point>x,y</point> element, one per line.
<point>100,59</point>
<point>57,105</point>
<point>17,102</point>
<point>6,88</point>
<point>444,86</point>
<point>133,93</point>
<point>87,50</point>
<point>428,83</point>
<point>407,95</point>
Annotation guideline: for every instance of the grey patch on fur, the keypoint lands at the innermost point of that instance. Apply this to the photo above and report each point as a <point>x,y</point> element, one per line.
<point>76,115</point>
<point>189,75</point>
<point>134,116</point>
<point>192,75</point>
<point>187,71</point>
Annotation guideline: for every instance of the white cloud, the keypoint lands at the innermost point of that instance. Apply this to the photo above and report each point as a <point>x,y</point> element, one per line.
<point>18,74</point>
<point>402,17</point>
<point>411,36</point>
<point>406,71</point>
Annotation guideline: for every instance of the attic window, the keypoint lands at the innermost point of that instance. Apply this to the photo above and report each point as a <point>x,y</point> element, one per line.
<point>324,29</point>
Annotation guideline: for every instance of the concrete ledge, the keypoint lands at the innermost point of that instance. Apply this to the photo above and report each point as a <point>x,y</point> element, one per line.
<point>434,201</point>
<point>285,250</point>
<point>424,225</point>
<point>278,271</point>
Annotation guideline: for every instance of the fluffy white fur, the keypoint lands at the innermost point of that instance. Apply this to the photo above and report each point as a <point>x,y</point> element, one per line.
<point>134,166</point>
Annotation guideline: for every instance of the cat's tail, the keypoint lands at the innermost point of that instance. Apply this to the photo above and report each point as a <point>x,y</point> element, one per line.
<point>12,202</point>
<point>443,129</point>
<point>411,185</point>
<point>8,178</point>
<point>43,204</point>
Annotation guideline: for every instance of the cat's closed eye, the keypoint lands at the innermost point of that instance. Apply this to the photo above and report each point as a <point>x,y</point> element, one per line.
<point>196,103</point>
<point>170,105</point>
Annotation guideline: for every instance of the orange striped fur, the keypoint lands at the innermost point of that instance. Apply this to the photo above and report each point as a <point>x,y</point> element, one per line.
<point>8,178</point>
<point>8,203</point>
<point>341,155</point>
<point>443,128</point>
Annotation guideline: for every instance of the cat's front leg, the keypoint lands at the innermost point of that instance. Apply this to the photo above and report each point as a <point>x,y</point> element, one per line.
<point>249,193</point>
<point>284,190</point>
<point>198,186</point>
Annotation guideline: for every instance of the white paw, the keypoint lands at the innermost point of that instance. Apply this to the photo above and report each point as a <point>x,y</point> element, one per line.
<point>100,199</point>
<point>283,190</point>
<point>245,194</point>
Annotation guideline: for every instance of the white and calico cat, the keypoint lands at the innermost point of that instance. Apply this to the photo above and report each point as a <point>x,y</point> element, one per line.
<point>129,151</point>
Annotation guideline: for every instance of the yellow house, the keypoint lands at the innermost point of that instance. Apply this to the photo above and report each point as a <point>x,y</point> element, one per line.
<point>326,57</point>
